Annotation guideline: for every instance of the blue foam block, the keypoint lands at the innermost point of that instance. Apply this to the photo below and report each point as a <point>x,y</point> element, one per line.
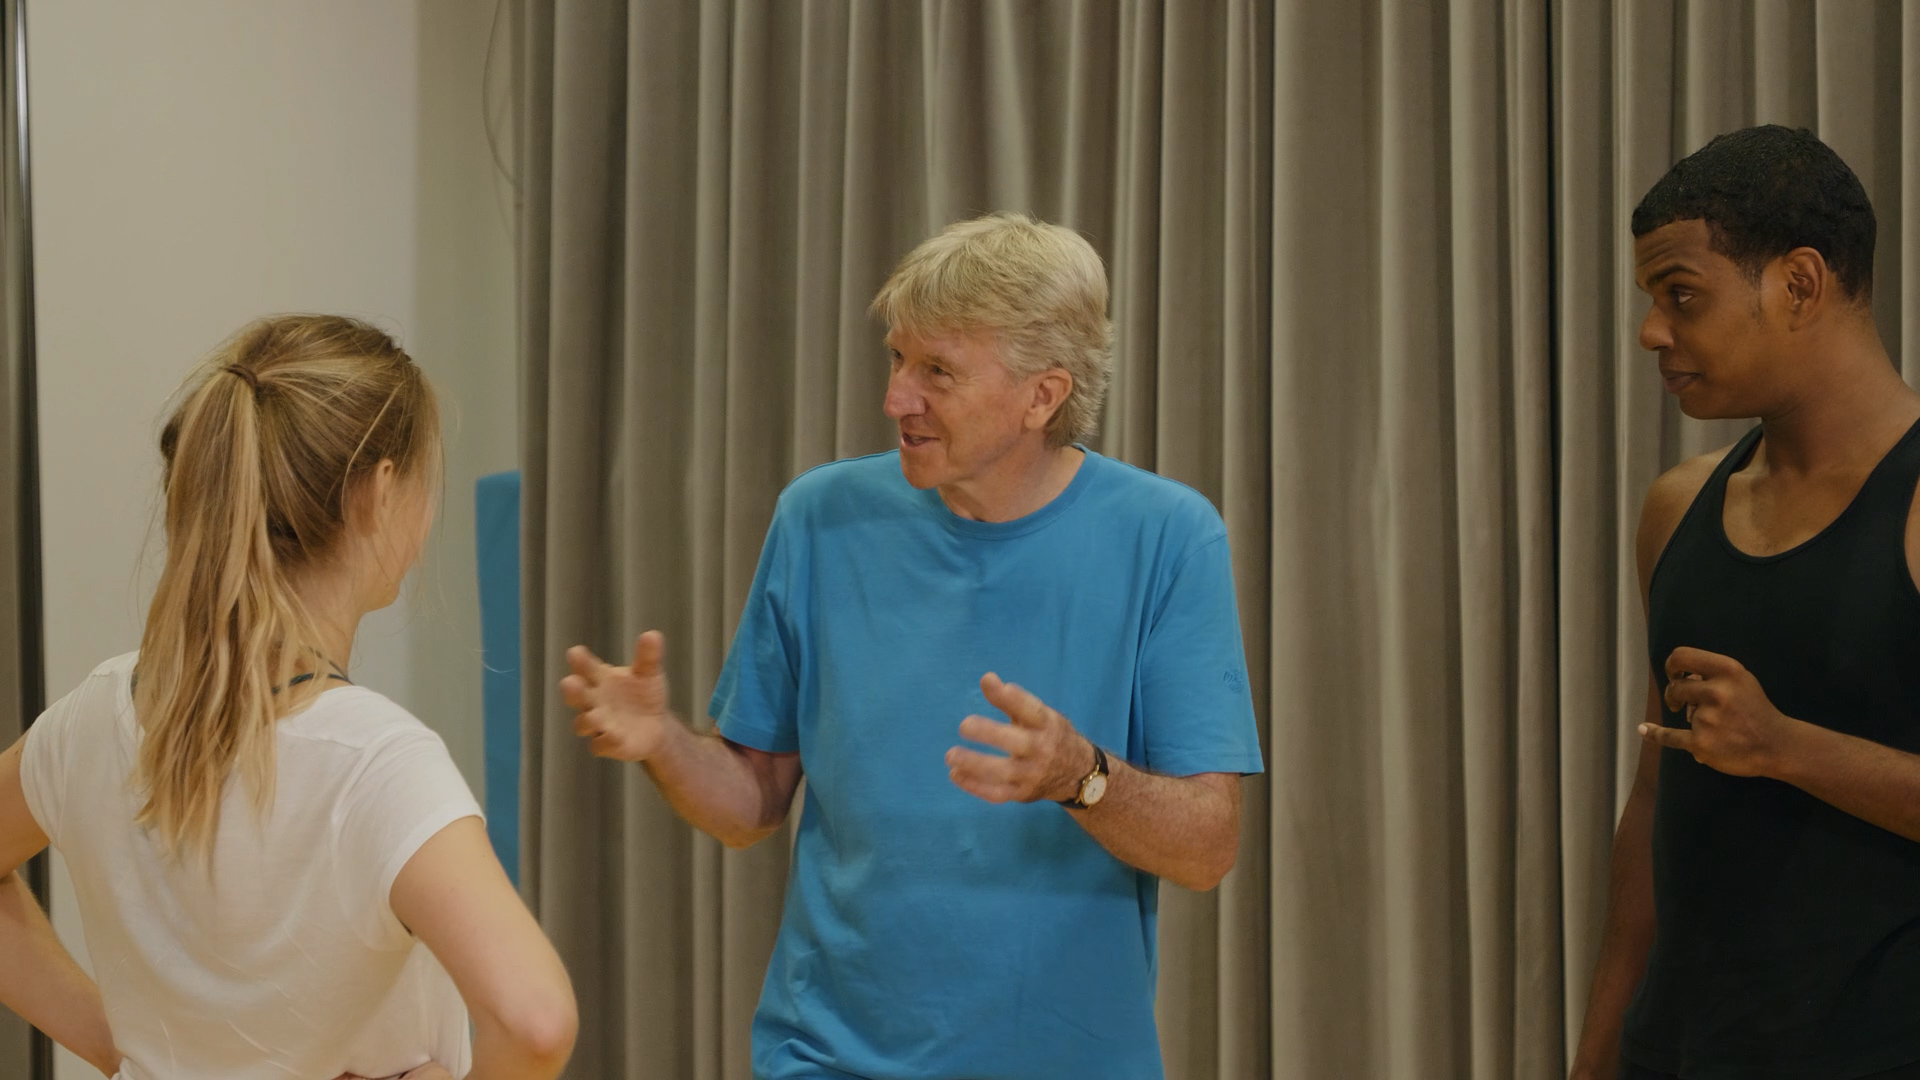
<point>496,503</point>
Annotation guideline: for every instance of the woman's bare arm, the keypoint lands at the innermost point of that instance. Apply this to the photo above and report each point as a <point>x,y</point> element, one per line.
<point>38,979</point>
<point>455,898</point>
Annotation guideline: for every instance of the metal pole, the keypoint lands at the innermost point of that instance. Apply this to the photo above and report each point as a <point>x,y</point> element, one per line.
<point>26,437</point>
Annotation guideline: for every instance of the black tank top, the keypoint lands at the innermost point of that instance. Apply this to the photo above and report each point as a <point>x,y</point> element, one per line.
<point>1787,939</point>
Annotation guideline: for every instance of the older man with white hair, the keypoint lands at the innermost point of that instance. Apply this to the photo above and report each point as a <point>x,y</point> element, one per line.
<point>979,906</point>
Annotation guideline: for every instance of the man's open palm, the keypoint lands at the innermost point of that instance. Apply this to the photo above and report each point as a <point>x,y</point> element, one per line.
<point>622,710</point>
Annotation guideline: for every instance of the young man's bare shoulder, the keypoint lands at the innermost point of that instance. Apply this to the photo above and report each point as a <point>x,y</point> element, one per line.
<point>1667,502</point>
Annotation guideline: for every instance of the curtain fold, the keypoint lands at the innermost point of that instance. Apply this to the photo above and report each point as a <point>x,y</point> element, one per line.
<point>1373,289</point>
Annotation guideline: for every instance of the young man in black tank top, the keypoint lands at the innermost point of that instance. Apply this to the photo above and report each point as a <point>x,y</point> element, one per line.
<point>1764,912</point>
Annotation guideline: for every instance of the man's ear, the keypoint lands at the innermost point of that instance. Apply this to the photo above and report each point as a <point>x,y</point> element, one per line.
<point>1809,285</point>
<point>1050,390</point>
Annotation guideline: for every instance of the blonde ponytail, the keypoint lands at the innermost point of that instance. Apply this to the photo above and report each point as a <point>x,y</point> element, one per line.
<point>261,458</point>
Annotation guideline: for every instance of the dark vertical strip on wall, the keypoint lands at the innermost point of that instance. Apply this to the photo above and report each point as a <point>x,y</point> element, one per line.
<point>16,284</point>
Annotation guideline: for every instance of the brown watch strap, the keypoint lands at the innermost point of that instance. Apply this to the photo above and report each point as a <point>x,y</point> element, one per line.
<point>1099,769</point>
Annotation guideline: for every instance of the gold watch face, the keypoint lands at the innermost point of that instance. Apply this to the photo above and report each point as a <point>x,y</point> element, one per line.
<point>1092,789</point>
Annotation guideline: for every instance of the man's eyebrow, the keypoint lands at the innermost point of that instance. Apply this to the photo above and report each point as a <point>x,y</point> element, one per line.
<point>930,357</point>
<point>1668,270</point>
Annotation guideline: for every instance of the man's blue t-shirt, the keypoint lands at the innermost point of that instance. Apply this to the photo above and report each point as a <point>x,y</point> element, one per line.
<point>927,933</point>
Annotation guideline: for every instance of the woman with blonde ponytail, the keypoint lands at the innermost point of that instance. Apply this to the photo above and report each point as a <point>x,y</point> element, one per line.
<point>280,874</point>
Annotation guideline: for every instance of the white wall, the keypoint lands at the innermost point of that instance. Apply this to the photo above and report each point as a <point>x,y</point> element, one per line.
<point>200,162</point>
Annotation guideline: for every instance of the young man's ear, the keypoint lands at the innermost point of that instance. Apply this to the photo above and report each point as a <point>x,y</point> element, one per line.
<point>1808,282</point>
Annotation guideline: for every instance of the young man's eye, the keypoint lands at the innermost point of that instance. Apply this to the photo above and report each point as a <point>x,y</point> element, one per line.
<point>1680,296</point>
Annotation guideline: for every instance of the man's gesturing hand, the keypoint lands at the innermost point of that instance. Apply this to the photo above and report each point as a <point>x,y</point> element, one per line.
<point>1735,728</point>
<point>1045,758</point>
<point>623,710</point>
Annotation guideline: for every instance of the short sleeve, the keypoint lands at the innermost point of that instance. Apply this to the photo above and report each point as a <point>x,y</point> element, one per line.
<point>755,700</point>
<point>406,790</point>
<point>43,766</point>
<point>1196,710</point>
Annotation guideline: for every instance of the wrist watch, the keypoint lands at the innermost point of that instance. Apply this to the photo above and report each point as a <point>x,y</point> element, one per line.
<point>1092,786</point>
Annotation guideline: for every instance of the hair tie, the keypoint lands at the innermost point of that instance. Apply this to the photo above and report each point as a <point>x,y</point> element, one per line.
<point>247,374</point>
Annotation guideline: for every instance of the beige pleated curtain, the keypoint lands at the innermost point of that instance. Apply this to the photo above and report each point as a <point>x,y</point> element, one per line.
<point>1372,281</point>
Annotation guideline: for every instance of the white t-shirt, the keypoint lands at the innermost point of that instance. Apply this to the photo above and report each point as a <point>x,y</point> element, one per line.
<point>287,962</point>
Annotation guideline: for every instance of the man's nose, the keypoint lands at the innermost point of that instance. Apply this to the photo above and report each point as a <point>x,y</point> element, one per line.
<point>1655,334</point>
<point>902,399</point>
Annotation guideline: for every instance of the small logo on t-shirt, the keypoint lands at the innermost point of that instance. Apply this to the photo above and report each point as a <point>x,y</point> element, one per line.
<point>1234,677</point>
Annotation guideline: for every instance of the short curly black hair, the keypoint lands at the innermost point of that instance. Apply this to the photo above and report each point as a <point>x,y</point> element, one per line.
<point>1764,191</point>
